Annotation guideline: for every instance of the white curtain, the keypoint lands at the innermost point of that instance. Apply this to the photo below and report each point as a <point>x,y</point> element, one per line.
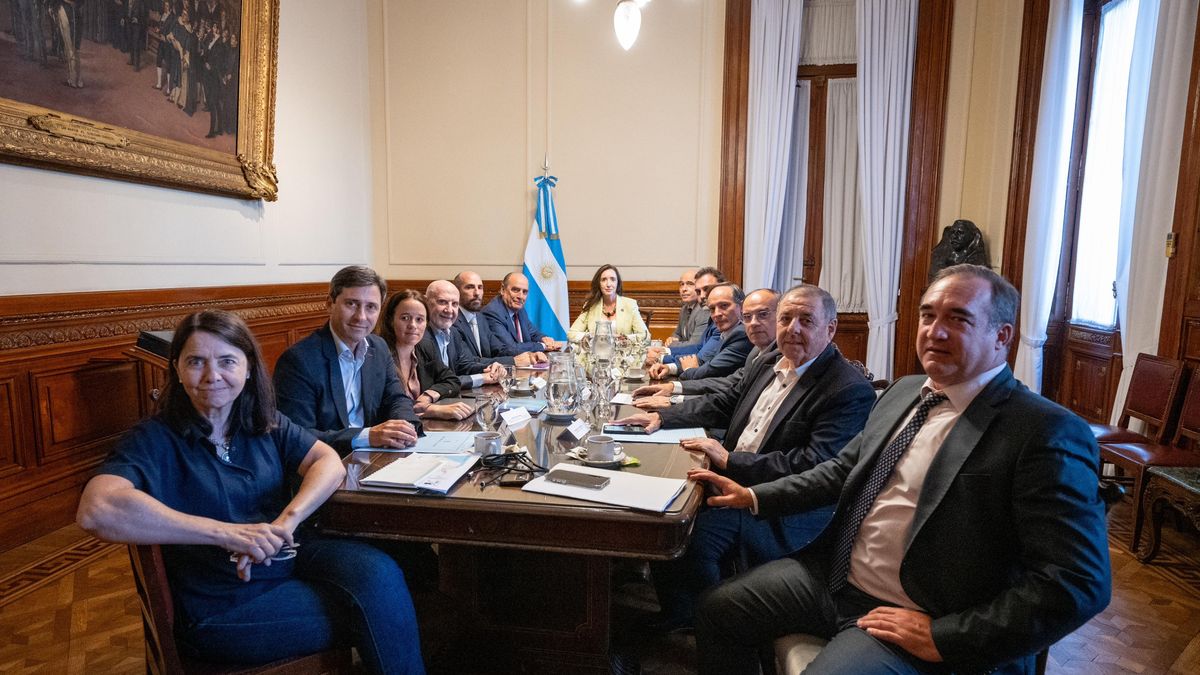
<point>886,39</point>
<point>828,32</point>
<point>1160,68</point>
<point>795,202</point>
<point>775,29</point>
<point>841,246</point>
<point>1048,185</point>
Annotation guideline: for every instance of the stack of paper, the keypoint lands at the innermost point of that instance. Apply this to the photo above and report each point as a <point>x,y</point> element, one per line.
<point>660,436</point>
<point>632,490</point>
<point>433,472</point>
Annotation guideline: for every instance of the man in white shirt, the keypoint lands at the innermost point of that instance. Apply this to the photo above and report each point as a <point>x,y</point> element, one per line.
<point>783,417</point>
<point>969,532</point>
<point>442,299</point>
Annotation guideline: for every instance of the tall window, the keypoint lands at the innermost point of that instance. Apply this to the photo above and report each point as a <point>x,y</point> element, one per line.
<point>1099,209</point>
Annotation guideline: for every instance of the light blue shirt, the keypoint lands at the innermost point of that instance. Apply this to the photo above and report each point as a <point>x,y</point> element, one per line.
<point>351,362</point>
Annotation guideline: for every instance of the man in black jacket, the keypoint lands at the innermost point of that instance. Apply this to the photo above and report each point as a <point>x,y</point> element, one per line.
<point>783,417</point>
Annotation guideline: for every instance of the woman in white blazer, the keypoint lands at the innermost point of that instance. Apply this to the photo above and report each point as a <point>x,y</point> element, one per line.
<point>604,301</point>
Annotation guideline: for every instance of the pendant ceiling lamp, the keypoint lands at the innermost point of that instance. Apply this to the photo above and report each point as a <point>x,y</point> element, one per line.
<point>627,21</point>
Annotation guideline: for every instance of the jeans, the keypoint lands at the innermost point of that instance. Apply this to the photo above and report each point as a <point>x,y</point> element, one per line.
<point>343,593</point>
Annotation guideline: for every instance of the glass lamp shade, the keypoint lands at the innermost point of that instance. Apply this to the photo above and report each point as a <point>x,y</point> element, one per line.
<point>627,21</point>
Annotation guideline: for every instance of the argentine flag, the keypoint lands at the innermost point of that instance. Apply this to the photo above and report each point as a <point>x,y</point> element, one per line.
<point>545,268</point>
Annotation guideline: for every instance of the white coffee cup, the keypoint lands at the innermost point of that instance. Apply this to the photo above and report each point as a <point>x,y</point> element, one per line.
<point>489,443</point>
<point>601,448</point>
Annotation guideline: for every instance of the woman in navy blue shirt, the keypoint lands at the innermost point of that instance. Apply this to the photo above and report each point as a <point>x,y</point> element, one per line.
<point>208,479</point>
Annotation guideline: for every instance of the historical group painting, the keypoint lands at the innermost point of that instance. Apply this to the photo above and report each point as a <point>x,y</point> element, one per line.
<point>168,68</point>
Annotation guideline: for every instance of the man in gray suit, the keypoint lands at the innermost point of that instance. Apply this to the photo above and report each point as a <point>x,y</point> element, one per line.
<point>969,531</point>
<point>693,315</point>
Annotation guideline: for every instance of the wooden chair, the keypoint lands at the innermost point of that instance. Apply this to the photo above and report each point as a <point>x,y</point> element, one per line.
<point>1134,458</point>
<point>1152,398</point>
<point>158,622</point>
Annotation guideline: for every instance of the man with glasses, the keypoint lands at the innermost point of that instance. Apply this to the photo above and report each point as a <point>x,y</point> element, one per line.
<point>783,417</point>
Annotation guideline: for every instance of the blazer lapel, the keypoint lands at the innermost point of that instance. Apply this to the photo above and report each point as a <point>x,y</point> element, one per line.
<point>741,414</point>
<point>372,378</point>
<point>959,444</point>
<point>893,409</point>
<point>337,389</point>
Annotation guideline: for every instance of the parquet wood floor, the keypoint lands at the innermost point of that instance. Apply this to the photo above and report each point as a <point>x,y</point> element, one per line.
<point>67,605</point>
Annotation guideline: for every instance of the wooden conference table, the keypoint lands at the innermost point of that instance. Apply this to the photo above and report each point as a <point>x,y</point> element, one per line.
<point>529,574</point>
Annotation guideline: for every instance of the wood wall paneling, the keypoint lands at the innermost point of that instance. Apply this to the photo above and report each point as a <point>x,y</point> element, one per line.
<point>9,461</point>
<point>851,336</point>
<point>83,407</point>
<point>736,82</point>
<point>931,73</point>
<point>1091,369</point>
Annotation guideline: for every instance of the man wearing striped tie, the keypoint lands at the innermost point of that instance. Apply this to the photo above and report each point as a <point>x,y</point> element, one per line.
<point>969,532</point>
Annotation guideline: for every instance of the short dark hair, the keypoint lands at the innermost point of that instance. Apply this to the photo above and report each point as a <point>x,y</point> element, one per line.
<point>386,330</point>
<point>593,295</point>
<point>739,296</point>
<point>253,410</point>
<point>1005,299</point>
<point>828,304</point>
<point>356,276</point>
<point>712,272</point>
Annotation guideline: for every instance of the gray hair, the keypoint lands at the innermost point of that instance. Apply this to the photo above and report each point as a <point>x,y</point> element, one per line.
<point>739,295</point>
<point>828,304</point>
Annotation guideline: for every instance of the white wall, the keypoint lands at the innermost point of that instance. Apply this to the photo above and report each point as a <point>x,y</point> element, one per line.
<point>477,92</point>
<point>60,232</point>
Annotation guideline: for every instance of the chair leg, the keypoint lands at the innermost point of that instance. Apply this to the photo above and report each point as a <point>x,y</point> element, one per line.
<point>1138,488</point>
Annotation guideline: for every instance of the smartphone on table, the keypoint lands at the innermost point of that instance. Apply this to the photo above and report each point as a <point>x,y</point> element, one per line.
<point>624,429</point>
<point>577,479</point>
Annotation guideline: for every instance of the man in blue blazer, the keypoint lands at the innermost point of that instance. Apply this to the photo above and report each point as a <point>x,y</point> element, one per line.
<point>474,331</point>
<point>783,417</point>
<point>969,531</point>
<point>510,323</point>
<point>724,347</point>
<point>340,382</point>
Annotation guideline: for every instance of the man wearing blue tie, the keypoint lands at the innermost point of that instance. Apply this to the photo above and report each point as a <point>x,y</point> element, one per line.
<point>510,323</point>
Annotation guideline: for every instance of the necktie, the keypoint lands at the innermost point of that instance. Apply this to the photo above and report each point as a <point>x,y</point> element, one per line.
<point>875,481</point>
<point>517,325</point>
<point>475,332</point>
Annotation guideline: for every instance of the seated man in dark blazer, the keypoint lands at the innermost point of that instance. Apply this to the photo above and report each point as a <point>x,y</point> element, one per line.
<point>443,340</point>
<point>340,382</point>
<point>510,324</point>
<point>724,347</point>
<point>969,531</point>
<point>783,417</point>
<point>475,331</point>
<point>758,316</point>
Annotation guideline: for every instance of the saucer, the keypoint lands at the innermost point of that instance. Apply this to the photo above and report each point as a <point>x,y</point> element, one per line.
<point>635,376</point>
<point>521,392</point>
<point>614,463</point>
<point>559,417</point>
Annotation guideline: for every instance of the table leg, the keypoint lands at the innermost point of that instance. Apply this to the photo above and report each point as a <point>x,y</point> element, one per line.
<point>1153,502</point>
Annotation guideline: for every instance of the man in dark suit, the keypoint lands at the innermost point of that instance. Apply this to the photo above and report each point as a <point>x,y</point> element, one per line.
<point>475,332</point>
<point>340,382</point>
<point>969,531</point>
<point>758,316</point>
<point>693,315</point>
<point>724,346</point>
<point>443,341</point>
<point>783,417</point>
<point>510,323</point>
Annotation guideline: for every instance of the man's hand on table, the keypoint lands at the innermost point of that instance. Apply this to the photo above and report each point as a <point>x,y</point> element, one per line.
<point>654,390</point>
<point>718,456</point>
<point>392,434</point>
<point>658,371</point>
<point>651,422</point>
<point>653,355</point>
<point>492,373</point>
<point>652,403</point>
<point>689,361</point>
<point>730,493</point>
<point>551,344</point>
<point>526,359</point>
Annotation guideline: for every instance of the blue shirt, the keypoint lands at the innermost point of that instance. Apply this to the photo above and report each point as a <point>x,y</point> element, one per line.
<point>183,472</point>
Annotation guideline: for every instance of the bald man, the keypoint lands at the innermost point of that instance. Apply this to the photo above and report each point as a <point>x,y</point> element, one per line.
<point>443,300</point>
<point>510,323</point>
<point>693,315</point>
<point>474,331</point>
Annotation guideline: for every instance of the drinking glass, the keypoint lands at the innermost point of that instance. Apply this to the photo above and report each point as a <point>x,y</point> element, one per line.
<point>485,414</point>
<point>509,381</point>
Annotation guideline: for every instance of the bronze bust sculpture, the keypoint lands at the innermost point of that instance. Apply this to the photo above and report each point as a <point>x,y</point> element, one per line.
<point>962,242</point>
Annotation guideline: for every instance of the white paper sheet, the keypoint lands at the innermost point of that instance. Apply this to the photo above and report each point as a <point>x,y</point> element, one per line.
<point>632,490</point>
<point>445,442</point>
<point>623,398</point>
<point>660,436</point>
<point>438,473</point>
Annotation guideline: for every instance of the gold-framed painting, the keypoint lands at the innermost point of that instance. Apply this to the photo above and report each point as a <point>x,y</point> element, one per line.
<point>179,93</point>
